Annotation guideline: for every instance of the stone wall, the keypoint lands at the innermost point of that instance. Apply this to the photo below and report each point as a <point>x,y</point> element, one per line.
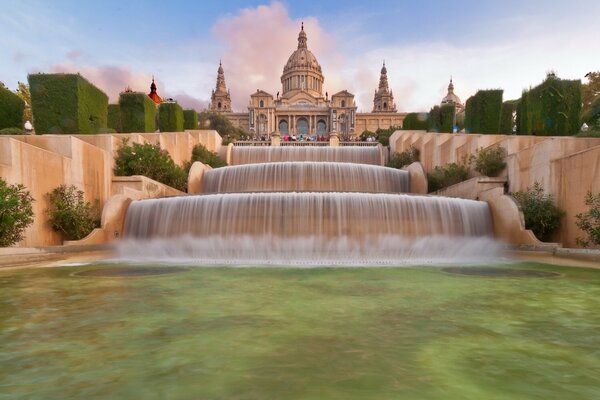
<point>44,162</point>
<point>373,121</point>
<point>567,167</point>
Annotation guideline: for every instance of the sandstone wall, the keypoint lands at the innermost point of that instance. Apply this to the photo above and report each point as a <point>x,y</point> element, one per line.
<point>567,167</point>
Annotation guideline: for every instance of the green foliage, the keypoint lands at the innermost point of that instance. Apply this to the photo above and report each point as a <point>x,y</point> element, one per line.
<point>490,161</point>
<point>138,112</point>
<point>190,119</point>
<point>415,122</point>
<point>551,109</point>
<point>448,175</point>
<point>434,120</point>
<point>541,215</point>
<point>590,91</point>
<point>589,221</point>
<point>70,214</point>
<point>16,212</point>
<point>507,116</point>
<point>483,112</point>
<point>170,117</point>
<point>12,131</point>
<point>447,118</point>
<point>114,118</point>
<point>150,161</point>
<point>383,135</point>
<point>592,117</point>
<point>367,134</point>
<point>67,103</point>
<point>11,109</point>
<point>205,156</point>
<point>25,95</point>
<point>219,123</point>
<point>404,158</point>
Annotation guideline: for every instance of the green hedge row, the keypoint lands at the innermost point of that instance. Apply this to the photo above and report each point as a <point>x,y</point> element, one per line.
<point>441,119</point>
<point>67,103</point>
<point>482,114</point>
<point>114,118</point>
<point>170,117</point>
<point>434,120</point>
<point>550,109</point>
<point>506,116</point>
<point>11,109</point>
<point>190,119</point>
<point>138,112</point>
<point>415,122</point>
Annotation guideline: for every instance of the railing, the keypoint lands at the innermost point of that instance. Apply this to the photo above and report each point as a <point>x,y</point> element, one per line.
<point>241,143</point>
<point>250,143</point>
<point>359,144</point>
<point>303,143</point>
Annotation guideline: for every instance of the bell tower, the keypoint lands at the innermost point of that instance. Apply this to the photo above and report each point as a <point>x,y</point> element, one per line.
<point>384,98</point>
<point>220,100</point>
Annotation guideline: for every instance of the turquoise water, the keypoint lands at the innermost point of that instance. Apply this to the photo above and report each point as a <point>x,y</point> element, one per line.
<point>285,333</point>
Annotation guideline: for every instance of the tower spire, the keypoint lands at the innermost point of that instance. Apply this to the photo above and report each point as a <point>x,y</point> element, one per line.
<point>384,99</point>
<point>302,38</point>
<point>220,99</point>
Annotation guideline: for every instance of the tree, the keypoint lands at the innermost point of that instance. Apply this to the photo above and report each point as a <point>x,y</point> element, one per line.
<point>590,91</point>
<point>16,212</point>
<point>25,95</point>
<point>218,122</point>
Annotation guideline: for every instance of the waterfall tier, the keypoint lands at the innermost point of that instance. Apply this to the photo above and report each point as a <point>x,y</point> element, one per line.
<point>267,154</point>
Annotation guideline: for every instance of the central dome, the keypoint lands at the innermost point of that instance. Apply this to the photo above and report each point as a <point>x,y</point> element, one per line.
<point>302,71</point>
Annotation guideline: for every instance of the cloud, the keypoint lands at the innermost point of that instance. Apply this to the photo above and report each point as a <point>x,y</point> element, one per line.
<point>257,43</point>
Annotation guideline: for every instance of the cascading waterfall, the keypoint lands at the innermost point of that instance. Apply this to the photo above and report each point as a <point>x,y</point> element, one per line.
<point>266,154</point>
<point>308,212</point>
<point>306,177</point>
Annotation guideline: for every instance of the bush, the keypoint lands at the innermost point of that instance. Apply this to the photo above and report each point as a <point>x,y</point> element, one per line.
<point>170,117</point>
<point>12,131</point>
<point>541,215</point>
<point>151,161</point>
<point>205,156</point>
<point>16,212</point>
<point>434,120</point>
<point>507,116</point>
<point>11,109</point>
<point>404,158</point>
<point>551,108</point>
<point>415,121</point>
<point>490,161</point>
<point>190,119</point>
<point>589,221</point>
<point>67,103</point>
<point>448,175</point>
<point>383,135</point>
<point>70,214</point>
<point>220,123</point>
<point>138,112</point>
<point>447,118</point>
<point>482,114</point>
<point>114,118</point>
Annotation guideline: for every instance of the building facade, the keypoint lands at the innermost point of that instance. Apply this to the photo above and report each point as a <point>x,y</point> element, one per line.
<point>301,109</point>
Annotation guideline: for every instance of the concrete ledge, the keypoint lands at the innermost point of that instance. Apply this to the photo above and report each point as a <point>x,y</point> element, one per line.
<point>418,178</point>
<point>196,177</point>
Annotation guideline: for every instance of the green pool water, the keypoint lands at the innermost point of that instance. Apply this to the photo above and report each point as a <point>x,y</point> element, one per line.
<point>284,333</point>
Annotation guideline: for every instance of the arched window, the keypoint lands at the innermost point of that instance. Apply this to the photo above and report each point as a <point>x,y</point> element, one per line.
<point>283,127</point>
<point>384,105</point>
<point>261,104</point>
<point>219,105</point>
<point>321,128</point>
<point>302,126</point>
<point>343,103</point>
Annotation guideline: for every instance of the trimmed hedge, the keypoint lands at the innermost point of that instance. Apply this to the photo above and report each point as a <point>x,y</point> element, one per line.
<point>11,109</point>
<point>114,118</point>
<point>67,103</point>
<point>138,112</point>
<point>415,122</point>
<point>447,113</point>
<point>551,109</point>
<point>506,116</point>
<point>170,117</point>
<point>483,112</point>
<point>434,120</point>
<point>190,119</point>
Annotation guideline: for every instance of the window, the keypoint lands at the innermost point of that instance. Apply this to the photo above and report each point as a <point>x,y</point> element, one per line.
<point>219,105</point>
<point>385,106</point>
<point>261,104</point>
<point>343,103</point>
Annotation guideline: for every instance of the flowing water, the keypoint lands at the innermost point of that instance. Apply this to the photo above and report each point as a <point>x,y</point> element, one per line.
<point>306,177</point>
<point>267,154</point>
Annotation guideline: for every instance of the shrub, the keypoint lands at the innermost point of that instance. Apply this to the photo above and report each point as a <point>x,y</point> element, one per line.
<point>205,156</point>
<point>170,117</point>
<point>447,118</point>
<point>138,112</point>
<point>448,175</point>
<point>190,119</point>
<point>434,120</point>
<point>151,161</point>
<point>220,123</point>
<point>482,114</point>
<point>12,131</point>
<point>541,215</point>
<point>415,121</point>
<point>589,221</point>
<point>507,116</point>
<point>67,103</point>
<point>16,212</point>
<point>383,135</point>
<point>490,161</point>
<point>404,158</point>
<point>114,118</point>
<point>11,109</point>
<point>70,214</point>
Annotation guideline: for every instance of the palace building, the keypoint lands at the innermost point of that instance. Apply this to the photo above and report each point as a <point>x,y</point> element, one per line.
<point>302,109</point>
